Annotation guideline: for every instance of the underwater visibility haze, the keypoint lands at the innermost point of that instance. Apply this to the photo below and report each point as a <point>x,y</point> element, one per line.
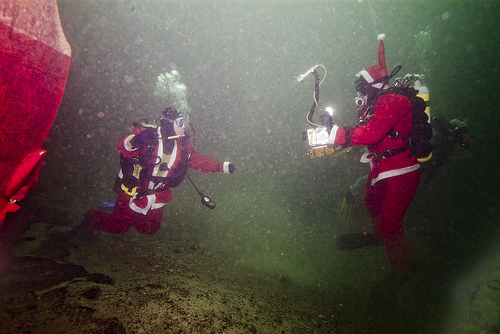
<point>279,215</point>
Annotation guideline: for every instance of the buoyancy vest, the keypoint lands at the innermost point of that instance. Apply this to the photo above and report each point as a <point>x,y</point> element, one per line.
<point>138,170</point>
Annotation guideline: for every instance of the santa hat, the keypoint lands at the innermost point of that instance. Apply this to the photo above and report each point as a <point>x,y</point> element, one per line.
<point>379,71</point>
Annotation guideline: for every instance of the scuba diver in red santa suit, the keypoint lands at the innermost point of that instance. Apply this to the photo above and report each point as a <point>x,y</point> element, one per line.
<point>153,160</point>
<point>384,127</point>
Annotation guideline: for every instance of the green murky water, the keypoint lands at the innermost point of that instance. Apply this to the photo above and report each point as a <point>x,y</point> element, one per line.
<point>278,215</point>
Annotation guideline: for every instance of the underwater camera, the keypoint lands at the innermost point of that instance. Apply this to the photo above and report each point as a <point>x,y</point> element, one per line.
<point>317,140</point>
<point>317,137</point>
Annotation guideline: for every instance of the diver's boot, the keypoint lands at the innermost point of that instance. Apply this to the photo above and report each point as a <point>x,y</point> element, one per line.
<point>357,240</point>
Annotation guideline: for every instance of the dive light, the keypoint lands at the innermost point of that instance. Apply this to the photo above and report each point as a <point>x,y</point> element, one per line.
<point>301,77</point>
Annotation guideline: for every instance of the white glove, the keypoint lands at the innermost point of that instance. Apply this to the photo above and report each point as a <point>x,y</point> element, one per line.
<point>333,135</point>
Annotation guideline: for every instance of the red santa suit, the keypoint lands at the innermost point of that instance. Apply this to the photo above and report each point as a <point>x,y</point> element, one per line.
<point>142,206</point>
<point>393,180</point>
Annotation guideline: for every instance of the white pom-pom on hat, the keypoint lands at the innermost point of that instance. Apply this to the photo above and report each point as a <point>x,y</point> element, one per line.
<point>379,71</point>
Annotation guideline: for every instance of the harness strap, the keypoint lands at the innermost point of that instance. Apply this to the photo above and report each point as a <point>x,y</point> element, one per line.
<point>141,192</point>
<point>390,153</point>
<point>128,191</point>
<point>155,179</point>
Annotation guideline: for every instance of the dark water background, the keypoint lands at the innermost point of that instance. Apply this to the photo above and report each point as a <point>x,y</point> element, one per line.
<point>278,215</point>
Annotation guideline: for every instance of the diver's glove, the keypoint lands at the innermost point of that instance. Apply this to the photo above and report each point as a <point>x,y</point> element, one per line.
<point>339,136</point>
<point>332,134</point>
<point>327,121</point>
<point>226,167</point>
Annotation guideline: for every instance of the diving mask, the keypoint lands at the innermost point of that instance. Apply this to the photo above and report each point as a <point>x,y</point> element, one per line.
<point>179,122</point>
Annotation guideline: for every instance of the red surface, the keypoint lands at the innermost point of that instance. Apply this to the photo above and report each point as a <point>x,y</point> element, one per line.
<point>32,79</point>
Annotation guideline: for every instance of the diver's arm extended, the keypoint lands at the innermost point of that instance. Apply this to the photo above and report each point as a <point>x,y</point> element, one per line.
<point>208,164</point>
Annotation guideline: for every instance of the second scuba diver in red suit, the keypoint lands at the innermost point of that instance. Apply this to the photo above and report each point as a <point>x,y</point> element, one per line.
<point>153,160</point>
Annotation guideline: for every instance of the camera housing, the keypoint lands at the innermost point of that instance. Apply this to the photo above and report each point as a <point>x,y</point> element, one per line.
<point>317,139</point>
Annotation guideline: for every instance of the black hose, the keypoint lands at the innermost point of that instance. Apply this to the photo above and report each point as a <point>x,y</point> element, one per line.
<point>316,97</point>
<point>205,200</point>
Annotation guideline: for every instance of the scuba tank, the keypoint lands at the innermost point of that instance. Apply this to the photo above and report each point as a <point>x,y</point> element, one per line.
<point>423,92</point>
